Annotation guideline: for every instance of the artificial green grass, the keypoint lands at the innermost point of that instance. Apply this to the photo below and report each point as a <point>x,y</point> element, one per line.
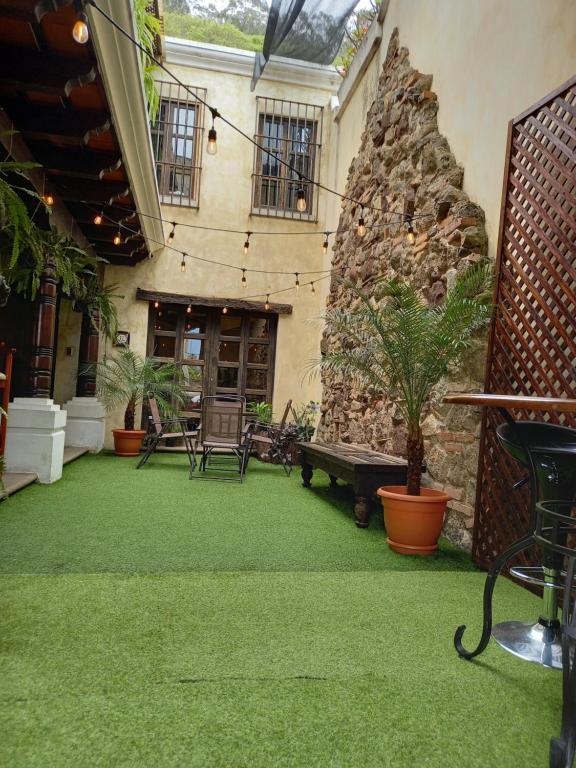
<point>341,658</point>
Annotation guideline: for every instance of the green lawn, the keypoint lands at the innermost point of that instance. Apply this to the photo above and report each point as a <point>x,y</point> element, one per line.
<point>152,621</point>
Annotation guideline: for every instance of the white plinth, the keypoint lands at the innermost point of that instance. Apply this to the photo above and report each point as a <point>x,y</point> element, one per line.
<point>85,424</point>
<point>35,438</point>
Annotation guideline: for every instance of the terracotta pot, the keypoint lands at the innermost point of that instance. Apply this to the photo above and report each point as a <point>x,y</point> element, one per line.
<point>413,523</point>
<point>127,442</point>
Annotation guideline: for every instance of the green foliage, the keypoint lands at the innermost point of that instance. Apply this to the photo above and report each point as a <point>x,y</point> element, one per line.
<point>262,412</point>
<point>356,30</point>
<point>126,378</point>
<point>100,305</point>
<point>395,344</point>
<point>148,28</point>
<point>210,31</point>
<point>16,226</point>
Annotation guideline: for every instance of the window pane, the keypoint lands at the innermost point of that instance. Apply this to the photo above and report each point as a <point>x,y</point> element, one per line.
<point>228,377</point>
<point>166,319</point>
<point>229,351</point>
<point>192,375</point>
<point>259,327</point>
<point>230,325</point>
<point>164,346</point>
<point>195,324</point>
<point>192,401</point>
<point>258,353</point>
<point>193,349</point>
<point>256,379</point>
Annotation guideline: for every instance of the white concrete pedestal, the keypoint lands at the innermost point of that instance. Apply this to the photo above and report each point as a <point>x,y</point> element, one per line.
<point>85,424</point>
<point>35,438</point>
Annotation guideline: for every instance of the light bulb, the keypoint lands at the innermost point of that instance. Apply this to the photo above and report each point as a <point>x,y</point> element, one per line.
<point>410,236</point>
<point>172,233</point>
<point>297,283</point>
<point>301,201</point>
<point>80,31</point>
<point>48,199</point>
<point>98,218</point>
<point>361,231</point>
<point>247,243</point>
<point>224,310</point>
<point>312,288</point>
<point>212,146</point>
<point>156,304</point>
<point>189,309</point>
<point>117,238</point>
<point>243,281</point>
<point>267,302</point>
<point>325,245</point>
<point>183,263</point>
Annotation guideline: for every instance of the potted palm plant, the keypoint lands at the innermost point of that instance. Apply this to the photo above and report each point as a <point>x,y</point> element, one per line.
<point>394,343</point>
<point>124,380</point>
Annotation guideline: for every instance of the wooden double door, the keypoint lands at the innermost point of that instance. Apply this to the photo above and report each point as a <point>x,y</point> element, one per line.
<point>220,352</point>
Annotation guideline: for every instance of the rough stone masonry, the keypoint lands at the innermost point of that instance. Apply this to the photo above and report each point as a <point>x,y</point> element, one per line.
<point>405,166</point>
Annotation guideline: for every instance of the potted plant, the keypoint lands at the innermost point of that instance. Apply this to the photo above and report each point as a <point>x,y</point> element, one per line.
<point>396,344</point>
<point>124,380</point>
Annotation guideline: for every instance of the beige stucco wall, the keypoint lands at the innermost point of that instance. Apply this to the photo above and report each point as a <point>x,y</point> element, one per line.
<point>491,59</point>
<point>225,200</point>
<point>66,367</point>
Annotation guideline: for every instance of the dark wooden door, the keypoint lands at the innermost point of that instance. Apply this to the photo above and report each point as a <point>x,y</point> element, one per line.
<point>532,345</point>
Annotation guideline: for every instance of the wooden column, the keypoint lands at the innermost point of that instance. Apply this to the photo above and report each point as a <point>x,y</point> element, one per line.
<point>88,353</point>
<point>42,360</point>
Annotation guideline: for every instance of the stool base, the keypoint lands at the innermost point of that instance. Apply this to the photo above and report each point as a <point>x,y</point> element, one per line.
<point>532,642</point>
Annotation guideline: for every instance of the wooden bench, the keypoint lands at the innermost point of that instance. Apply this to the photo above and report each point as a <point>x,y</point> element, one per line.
<point>363,469</point>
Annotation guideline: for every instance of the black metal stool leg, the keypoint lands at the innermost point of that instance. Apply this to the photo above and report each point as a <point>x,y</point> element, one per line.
<point>489,585</point>
<point>563,749</point>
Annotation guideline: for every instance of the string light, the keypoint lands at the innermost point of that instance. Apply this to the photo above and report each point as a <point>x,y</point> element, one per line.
<point>212,146</point>
<point>301,204</point>
<point>189,309</point>
<point>410,236</point>
<point>267,302</point>
<point>361,229</point>
<point>243,281</point>
<point>80,31</point>
<point>98,218</point>
<point>183,263</point>
<point>325,243</point>
<point>247,243</point>
<point>172,233</point>
<point>312,289</point>
<point>224,310</point>
<point>297,283</point>
<point>117,238</point>
<point>156,304</point>
<point>48,199</point>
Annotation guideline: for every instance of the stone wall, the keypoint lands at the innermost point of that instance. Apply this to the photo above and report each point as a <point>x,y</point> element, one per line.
<point>405,165</point>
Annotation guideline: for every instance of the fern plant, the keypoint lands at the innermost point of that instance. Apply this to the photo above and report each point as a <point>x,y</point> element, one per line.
<point>18,231</point>
<point>126,378</point>
<point>395,344</point>
<point>148,28</point>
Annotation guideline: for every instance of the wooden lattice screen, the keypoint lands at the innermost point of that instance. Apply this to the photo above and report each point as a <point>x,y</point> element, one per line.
<point>532,346</point>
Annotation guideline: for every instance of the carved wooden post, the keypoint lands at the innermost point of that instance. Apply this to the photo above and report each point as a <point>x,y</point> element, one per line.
<point>42,360</point>
<point>88,353</point>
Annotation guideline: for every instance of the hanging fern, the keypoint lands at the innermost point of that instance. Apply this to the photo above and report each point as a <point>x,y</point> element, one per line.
<point>148,28</point>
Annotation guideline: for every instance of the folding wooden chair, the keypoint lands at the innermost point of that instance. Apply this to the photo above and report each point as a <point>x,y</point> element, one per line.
<point>165,429</point>
<point>268,437</point>
<point>222,436</point>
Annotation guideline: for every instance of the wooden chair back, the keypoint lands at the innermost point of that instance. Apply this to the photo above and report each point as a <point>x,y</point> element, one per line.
<point>155,414</point>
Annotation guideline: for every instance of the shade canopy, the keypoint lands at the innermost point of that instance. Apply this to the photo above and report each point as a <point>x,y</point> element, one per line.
<point>309,30</point>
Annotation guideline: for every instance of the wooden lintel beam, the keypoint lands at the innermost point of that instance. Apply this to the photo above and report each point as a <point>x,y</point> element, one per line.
<point>202,301</point>
<point>60,217</point>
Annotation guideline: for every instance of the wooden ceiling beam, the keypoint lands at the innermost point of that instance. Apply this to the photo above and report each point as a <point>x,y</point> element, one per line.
<point>53,123</point>
<point>94,193</point>
<point>79,162</point>
<point>45,73</point>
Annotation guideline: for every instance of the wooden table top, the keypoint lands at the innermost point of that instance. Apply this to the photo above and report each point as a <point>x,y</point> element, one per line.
<point>354,454</point>
<point>524,402</point>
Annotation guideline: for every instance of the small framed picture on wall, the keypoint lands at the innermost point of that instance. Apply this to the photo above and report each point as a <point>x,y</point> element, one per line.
<point>122,339</point>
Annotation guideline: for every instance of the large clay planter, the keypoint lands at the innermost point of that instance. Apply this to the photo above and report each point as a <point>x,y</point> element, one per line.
<point>127,442</point>
<point>413,523</point>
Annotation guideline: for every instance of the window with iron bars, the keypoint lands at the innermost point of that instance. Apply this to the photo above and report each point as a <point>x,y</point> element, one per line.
<point>291,132</point>
<point>177,138</point>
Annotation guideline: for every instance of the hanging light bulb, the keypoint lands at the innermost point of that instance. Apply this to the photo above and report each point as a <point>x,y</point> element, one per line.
<point>212,146</point>
<point>297,283</point>
<point>98,218</point>
<point>313,290</point>
<point>325,244</point>
<point>172,233</point>
<point>243,281</point>
<point>301,204</point>
<point>267,302</point>
<point>156,304</point>
<point>247,243</point>
<point>48,199</point>
<point>117,238</point>
<point>361,230</point>
<point>224,310</point>
<point>410,236</point>
<point>189,309</point>
<point>183,263</point>
<point>80,31</point>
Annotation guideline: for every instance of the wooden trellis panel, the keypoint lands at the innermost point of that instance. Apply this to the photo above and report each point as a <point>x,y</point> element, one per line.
<point>532,345</point>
